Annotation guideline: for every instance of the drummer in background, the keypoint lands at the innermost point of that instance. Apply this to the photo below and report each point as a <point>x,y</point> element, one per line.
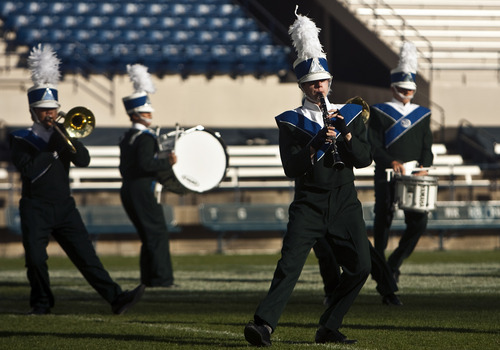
<point>139,167</point>
<point>399,132</point>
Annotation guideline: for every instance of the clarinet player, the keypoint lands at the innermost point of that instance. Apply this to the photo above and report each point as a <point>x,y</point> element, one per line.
<point>325,203</point>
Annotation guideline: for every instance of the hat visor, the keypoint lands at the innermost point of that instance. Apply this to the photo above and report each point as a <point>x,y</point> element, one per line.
<point>45,104</point>
<point>144,109</point>
<point>408,85</point>
<point>315,76</point>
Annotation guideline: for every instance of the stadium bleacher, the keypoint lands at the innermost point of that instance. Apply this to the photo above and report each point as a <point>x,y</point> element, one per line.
<point>450,34</point>
<point>105,36</point>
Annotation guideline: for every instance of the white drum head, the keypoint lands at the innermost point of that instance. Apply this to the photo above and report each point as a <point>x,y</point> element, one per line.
<point>201,160</point>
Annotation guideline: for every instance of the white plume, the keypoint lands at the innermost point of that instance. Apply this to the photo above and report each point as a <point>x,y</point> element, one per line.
<point>44,65</point>
<point>140,78</point>
<point>408,58</point>
<point>304,34</point>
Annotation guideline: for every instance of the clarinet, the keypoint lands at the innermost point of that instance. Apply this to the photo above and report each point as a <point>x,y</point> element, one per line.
<point>337,164</point>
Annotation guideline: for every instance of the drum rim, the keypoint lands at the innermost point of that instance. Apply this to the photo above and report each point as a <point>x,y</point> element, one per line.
<point>415,178</point>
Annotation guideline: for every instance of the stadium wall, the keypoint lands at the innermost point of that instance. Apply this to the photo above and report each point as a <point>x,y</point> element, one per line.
<point>217,102</point>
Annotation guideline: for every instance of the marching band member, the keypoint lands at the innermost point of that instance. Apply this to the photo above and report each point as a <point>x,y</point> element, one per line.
<point>325,204</point>
<point>399,132</point>
<point>139,167</point>
<point>43,158</point>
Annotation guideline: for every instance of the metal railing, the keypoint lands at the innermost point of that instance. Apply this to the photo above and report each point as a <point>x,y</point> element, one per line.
<point>401,30</point>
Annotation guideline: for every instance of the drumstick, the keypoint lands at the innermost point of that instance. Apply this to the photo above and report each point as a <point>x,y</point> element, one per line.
<point>176,135</point>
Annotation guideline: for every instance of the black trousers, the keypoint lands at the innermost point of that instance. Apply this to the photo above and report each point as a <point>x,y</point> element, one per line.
<point>337,216</point>
<point>416,224</point>
<point>147,215</point>
<point>330,269</point>
<point>41,219</point>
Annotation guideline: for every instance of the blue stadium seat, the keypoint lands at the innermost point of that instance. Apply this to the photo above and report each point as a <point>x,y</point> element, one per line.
<point>223,58</point>
<point>132,9</point>
<point>99,55</point>
<point>119,22</point>
<point>149,55</point>
<point>66,51</point>
<point>108,36</point>
<point>256,37</point>
<point>56,35</point>
<point>31,37</point>
<point>96,22</point>
<point>108,8</point>
<point>48,21</point>
<point>33,8</point>
<point>229,10</point>
<point>146,50</point>
<point>274,58</point>
<point>84,8</point>
<point>231,36</point>
<point>132,36</point>
<point>173,59</point>
<point>58,8</point>
<point>144,22</point>
<point>183,36</point>
<point>16,22</point>
<point>83,35</point>
<point>181,9</point>
<point>207,37</point>
<point>155,9</point>
<point>8,8</point>
<point>192,23</point>
<point>204,9</point>
<point>168,22</point>
<point>157,36</point>
<point>170,50</point>
<point>219,23</point>
<point>70,21</point>
<point>123,54</point>
<point>248,59</point>
<point>242,23</point>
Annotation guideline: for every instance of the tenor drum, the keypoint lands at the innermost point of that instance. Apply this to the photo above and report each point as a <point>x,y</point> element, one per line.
<point>202,160</point>
<point>416,193</point>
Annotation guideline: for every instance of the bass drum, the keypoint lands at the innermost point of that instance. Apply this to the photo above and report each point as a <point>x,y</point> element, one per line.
<point>416,193</point>
<point>202,161</point>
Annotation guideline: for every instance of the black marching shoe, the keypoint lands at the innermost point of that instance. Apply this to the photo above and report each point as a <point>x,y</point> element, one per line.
<point>257,335</point>
<point>392,300</point>
<point>39,310</point>
<point>127,299</point>
<point>324,335</point>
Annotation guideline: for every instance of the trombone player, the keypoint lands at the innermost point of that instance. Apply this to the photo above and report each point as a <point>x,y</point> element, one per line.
<point>46,208</point>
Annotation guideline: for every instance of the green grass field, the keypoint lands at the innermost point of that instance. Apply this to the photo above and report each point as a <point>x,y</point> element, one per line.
<point>451,301</point>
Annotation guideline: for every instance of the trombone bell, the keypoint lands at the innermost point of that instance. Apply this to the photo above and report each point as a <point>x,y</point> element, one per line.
<point>79,122</point>
<point>365,112</point>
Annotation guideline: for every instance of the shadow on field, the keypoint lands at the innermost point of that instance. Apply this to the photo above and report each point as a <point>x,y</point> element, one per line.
<point>207,340</point>
<point>419,329</point>
<point>493,274</point>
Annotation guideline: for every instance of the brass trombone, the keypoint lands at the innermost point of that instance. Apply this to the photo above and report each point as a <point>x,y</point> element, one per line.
<point>79,122</point>
<point>365,112</point>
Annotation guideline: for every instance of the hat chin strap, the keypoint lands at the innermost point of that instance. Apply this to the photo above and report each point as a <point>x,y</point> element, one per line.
<point>34,116</point>
<point>403,97</point>
<point>146,120</point>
